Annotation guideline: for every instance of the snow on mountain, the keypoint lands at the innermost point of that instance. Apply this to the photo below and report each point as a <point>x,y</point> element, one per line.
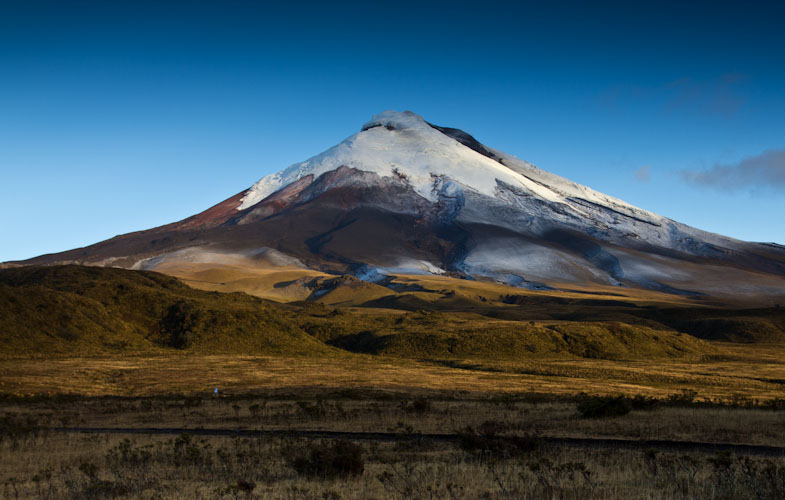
<point>405,143</point>
<point>552,229</point>
<point>437,165</point>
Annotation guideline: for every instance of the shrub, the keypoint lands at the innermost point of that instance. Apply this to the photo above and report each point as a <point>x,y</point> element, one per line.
<point>312,409</point>
<point>604,407</point>
<point>488,441</point>
<point>685,398</point>
<point>180,324</point>
<point>15,427</point>
<point>419,405</point>
<point>640,402</point>
<point>339,459</point>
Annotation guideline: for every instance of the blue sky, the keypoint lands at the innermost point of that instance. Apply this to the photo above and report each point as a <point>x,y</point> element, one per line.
<point>120,116</point>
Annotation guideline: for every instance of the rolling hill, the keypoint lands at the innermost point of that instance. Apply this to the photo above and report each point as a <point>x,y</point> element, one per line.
<point>86,310</point>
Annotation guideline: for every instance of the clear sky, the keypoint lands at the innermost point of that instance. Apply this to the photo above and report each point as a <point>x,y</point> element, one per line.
<point>120,116</point>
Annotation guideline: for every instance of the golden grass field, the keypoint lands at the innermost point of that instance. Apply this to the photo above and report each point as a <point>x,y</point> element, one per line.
<point>286,283</point>
<point>503,372</point>
<point>734,371</point>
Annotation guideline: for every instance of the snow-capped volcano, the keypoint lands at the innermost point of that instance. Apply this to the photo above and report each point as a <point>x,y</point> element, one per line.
<point>440,163</point>
<point>394,143</point>
<point>404,144</point>
<point>405,196</point>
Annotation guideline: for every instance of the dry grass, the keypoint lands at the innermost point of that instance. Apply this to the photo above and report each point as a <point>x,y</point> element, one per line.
<point>250,279</point>
<point>749,371</point>
<point>285,284</point>
<point>531,393</point>
<point>51,465</point>
<point>81,311</point>
<point>359,393</point>
<point>349,411</point>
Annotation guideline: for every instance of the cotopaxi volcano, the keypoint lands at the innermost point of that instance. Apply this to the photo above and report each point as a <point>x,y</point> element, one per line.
<point>406,197</point>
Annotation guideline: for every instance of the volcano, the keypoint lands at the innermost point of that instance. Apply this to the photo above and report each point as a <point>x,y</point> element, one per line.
<point>404,197</point>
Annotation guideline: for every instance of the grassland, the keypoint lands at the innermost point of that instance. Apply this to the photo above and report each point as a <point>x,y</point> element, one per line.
<point>72,310</point>
<point>753,372</point>
<point>96,331</point>
<point>503,448</point>
<point>504,372</point>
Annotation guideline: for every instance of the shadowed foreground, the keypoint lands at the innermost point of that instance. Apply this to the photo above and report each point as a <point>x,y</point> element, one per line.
<point>259,446</point>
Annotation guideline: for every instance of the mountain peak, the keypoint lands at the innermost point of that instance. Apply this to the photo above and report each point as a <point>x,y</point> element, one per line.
<point>396,120</point>
<point>407,120</point>
<point>395,143</point>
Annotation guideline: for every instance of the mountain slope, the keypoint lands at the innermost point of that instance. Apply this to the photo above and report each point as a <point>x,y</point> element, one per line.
<point>403,196</point>
<point>88,310</point>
